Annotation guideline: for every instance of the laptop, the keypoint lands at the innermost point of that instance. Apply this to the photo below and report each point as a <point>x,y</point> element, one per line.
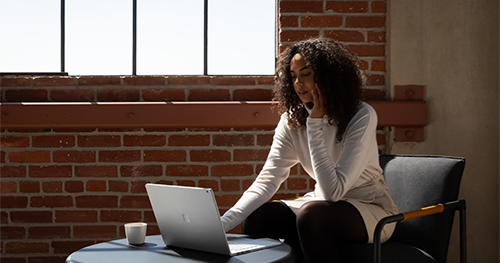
<point>188,217</point>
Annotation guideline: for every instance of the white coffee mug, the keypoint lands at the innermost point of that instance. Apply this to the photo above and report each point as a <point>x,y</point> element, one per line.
<point>136,233</point>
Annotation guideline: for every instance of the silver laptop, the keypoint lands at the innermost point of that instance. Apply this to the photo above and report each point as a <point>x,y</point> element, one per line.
<point>188,217</point>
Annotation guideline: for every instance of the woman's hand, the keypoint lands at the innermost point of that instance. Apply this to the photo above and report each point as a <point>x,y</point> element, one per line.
<point>319,108</point>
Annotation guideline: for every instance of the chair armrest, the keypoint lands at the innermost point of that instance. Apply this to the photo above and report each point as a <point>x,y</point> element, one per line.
<point>430,210</point>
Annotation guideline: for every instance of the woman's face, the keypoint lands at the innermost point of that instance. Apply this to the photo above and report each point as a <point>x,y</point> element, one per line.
<point>302,78</point>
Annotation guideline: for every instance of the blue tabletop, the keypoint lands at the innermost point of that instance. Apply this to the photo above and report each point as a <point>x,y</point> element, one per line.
<point>154,250</point>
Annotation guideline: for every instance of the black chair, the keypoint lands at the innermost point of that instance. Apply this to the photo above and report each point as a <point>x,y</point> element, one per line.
<point>427,187</point>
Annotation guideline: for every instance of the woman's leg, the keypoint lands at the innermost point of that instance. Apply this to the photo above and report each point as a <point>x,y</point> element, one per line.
<point>274,220</point>
<point>322,225</point>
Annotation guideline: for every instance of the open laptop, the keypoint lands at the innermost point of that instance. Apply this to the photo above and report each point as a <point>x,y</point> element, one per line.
<point>188,217</point>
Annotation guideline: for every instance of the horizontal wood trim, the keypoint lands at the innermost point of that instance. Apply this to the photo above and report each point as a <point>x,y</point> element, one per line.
<point>177,114</point>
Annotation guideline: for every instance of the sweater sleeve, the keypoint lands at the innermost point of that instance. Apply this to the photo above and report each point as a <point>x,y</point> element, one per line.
<point>276,169</point>
<point>334,180</point>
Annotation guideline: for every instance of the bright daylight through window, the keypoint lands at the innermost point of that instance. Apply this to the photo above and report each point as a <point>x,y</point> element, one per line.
<point>170,37</point>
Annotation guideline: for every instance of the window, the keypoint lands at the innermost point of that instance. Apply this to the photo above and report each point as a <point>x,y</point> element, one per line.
<point>170,37</point>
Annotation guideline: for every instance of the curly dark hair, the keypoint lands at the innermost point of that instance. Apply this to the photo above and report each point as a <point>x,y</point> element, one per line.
<point>337,75</point>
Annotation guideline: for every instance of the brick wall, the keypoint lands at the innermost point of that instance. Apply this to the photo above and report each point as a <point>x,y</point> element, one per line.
<point>63,189</point>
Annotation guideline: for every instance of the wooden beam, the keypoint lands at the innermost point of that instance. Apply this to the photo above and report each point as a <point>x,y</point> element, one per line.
<point>256,114</point>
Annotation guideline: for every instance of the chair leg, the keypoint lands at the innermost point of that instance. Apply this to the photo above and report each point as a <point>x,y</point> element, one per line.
<point>463,235</point>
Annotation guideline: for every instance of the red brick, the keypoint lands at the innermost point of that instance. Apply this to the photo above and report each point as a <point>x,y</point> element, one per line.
<point>99,140</point>
<point>14,142</point>
<point>138,186</point>
<point>233,140</point>
<point>186,183</point>
<point>186,170</point>
<point>376,37</point>
<point>347,6</point>
<point>265,139</point>
<point>266,80</point>
<point>50,171</point>
<point>250,155</point>
<point>297,35</point>
<point>96,171</point>
<point>135,201</point>
<point>365,21</point>
<point>230,185</point>
<point>227,200</point>
<point>362,64</point>
<point>73,186</point>
<point>75,216</point>
<point>94,231</point>
<point>96,186</point>
<point>210,156</point>
<point>53,141</point>
<point>288,21</point>
<point>8,187</point>
<point>345,35</point>
<point>69,247</point>
<point>378,65</point>
<point>321,21</point>
<point>98,80</point>
<point>26,247</point>
<point>29,187</point>
<point>52,187</point>
<point>144,80</point>
<point>233,80</point>
<point>118,186</point>
<point>253,94</point>
<point>31,216</point>
<point>164,156</point>
<point>72,95</point>
<point>232,170</point>
<point>163,94</point>
<point>368,50</point>
<point>144,140</point>
<point>101,201</point>
<point>26,95</point>
<point>74,156</point>
<point>375,80</point>
<point>51,201</point>
<point>4,218</point>
<point>373,94</point>
<point>300,7</point>
<point>296,183</point>
<point>120,156</point>
<point>118,95</point>
<point>2,157</point>
<point>189,140</point>
<point>13,171</point>
<point>378,7</point>
<point>120,216</point>
<point>13,202</point>
<point>212,184</point>
<point>49,232</point>
<point>29,157</point>
<point>15,81</point>
<point>53,259</point>
<point>54,81</point>
<point>208,95</point>
<point>141,170</point>
<point>12,232</point>
<point>188,80</point>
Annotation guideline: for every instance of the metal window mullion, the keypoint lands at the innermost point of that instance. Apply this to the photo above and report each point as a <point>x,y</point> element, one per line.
<point>134,38</point>
<point>63,29</point>
<point>205,38</point>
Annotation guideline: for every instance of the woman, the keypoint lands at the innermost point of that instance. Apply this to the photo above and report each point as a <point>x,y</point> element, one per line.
<point>326,128</point>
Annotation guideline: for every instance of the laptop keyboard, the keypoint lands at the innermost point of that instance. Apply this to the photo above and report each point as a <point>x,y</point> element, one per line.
<point>236,248</point>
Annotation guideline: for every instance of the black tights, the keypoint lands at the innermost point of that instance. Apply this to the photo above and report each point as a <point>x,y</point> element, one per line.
<point>314,233</point>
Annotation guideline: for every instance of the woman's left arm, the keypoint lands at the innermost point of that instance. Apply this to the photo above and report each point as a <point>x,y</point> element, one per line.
<point>336,179</point>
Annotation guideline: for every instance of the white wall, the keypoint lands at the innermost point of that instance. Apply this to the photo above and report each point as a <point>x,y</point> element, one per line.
<point>452,48</point>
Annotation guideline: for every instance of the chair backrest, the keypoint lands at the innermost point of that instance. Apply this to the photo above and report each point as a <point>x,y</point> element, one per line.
<point>419,181</point>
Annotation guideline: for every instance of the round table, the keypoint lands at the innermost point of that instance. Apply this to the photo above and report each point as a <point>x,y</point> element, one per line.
<point>154,250</point>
